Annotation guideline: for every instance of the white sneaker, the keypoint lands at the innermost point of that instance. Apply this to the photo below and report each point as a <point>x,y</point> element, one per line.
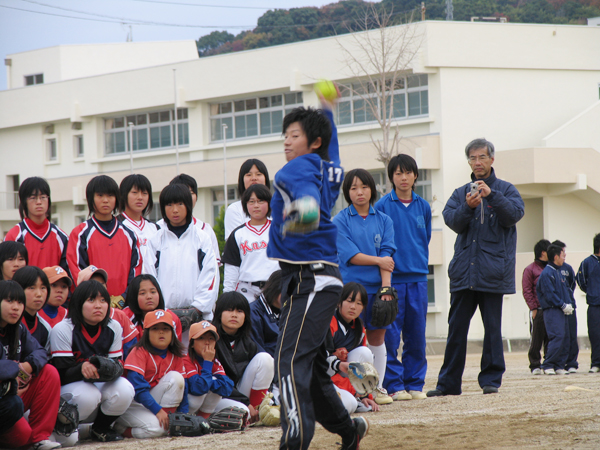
<point>417,395</point>
<point>549,371</point>
<point>572,369</point>
<point>381,397</point>
<point>561,372</point>
<point>45,445</point>
<point>401,395</point>
<point>537,371</point>
<point>594,369</point>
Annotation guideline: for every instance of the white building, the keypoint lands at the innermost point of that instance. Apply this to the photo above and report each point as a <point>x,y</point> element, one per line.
<point>533,90</point>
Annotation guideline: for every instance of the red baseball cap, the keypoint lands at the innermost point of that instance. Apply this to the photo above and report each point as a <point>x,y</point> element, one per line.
<point>198,329</point>
<point>56,273</point>
<point>158,316</point>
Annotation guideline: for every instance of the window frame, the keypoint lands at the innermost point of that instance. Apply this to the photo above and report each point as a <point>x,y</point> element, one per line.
<point>149,123</point>
<point>51,147</point>
<point>350,98</point>
<point>230,113</point>
<point>78,146</point>
<point>36,78</point>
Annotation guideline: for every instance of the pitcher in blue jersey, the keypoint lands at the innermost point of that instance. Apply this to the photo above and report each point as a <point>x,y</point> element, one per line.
<point>311,281</point>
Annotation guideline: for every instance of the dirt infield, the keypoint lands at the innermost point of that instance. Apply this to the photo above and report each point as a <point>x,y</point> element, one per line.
<point>528,413</point>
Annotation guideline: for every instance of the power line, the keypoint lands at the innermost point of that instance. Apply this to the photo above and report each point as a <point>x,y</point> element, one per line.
<point>121,20</point>
<point>206,6</point>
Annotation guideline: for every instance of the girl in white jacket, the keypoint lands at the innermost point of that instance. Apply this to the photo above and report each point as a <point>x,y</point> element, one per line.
<point>183,260</point>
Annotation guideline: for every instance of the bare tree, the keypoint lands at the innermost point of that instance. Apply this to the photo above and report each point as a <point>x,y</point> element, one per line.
<point>378,52</point>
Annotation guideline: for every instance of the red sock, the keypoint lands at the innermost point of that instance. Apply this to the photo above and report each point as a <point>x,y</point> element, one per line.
<point>19,435</point>
<point>127,433</point>
<point>257,396</point>
<point>203,414</point>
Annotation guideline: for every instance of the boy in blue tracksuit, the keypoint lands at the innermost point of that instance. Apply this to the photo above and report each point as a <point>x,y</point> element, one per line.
<point>571,365</point>
<point>303,238</point>
<point>555,298</point>
<point>412,230</point>
<point>588,279</point>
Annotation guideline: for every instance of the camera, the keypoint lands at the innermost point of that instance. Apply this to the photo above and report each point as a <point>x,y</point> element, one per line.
<point>474,189</point>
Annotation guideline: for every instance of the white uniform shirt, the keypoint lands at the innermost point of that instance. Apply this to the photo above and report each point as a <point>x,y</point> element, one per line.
<point>144,230</point>
<point>187,269</point>
<point>245,256</point>
<point>234,217</point>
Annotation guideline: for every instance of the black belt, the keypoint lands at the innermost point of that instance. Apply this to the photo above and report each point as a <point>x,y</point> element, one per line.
<point>259,284</point>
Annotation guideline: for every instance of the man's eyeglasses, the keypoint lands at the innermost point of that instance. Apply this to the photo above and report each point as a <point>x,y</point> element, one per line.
<point>478,158</point>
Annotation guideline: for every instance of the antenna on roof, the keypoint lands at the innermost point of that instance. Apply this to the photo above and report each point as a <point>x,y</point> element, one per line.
<point>129,33</point>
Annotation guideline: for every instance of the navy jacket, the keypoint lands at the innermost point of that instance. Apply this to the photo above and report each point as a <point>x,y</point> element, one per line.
<point>484,253</point>
<point>588,279</point>
<point>552,289</point>
<point>29,350</point>
<point>265,325</point>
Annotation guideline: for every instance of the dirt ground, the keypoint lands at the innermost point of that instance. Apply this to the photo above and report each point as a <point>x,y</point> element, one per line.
<point>530,412</point>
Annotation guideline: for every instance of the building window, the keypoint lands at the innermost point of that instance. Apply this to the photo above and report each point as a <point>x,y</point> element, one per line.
<point>78,146</point>
<point>410,98</point>
<point>30,80</point>
<point>251,117</point>
<point>430,287</point>
<point>218,199</point>
<point>51,152</point>
<point>150,131</point>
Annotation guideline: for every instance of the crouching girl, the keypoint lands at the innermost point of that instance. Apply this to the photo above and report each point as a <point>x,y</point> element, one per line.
<point>207,382</point>
<point>89,331</point>
<point>156,369</point>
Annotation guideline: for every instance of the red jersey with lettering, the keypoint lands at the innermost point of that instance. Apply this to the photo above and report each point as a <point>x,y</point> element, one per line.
<point>116,251</point>
<point>153,367</point>
<point>46,243</point>
<point>194,368</point>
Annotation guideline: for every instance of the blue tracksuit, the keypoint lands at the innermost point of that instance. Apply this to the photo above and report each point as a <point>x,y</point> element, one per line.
<point>412,233</point>
<point>373,236</point>
<point>588,278</point>
<point>553,294</point>
<point>569,275</point>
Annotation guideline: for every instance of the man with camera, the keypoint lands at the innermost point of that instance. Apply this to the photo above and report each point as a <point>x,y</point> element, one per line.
<point>484,214</point>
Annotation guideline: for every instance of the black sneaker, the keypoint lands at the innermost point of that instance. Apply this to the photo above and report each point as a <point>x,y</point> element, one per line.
<point>104,435</point>
<point>435,393</point>
<point>490,390</point>
<point>361,428</point>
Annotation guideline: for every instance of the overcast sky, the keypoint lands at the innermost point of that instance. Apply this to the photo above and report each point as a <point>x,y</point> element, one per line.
<point>32,24</point>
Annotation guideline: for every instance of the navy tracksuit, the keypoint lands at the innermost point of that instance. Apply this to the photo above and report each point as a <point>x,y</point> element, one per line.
<point>553,294</point>
<point>588,279</point>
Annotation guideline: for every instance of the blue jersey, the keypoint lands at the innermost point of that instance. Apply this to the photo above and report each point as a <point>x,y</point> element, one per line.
<point>373,236</point>
<point>302,176</point>
<point>412,232</point>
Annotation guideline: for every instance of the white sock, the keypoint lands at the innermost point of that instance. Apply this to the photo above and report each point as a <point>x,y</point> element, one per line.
<point>379,360</point>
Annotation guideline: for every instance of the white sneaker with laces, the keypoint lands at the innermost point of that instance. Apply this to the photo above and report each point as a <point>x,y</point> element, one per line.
<point>561,372</point>
<point>381,397</point>
<point>537,371</point>
<point>572,369</point>
<point>45,445</point>
<point>594,369</point>
<point>401,395</point>
<point>549,371</point>
<point>417,395</point>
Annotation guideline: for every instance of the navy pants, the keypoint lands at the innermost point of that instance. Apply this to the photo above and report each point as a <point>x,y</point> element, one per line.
<point>593,323</point>
<point>408,374</point>
<point>11,411</point>
<point>573,344</point>
<point>557,327</point>
<point>462,307</point>
<point>307,393</point>
<point>539,340</point>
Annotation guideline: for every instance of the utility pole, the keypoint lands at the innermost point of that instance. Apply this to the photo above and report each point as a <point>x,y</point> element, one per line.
<point>423,11</point>
<point>449,10</point>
